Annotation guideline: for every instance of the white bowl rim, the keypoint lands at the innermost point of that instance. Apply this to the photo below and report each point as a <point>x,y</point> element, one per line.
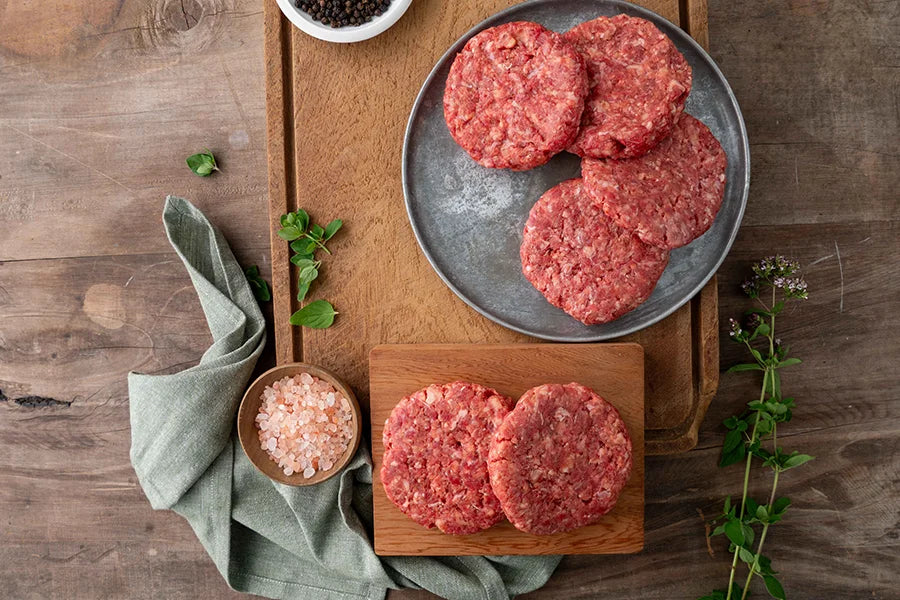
<point>346,34</point>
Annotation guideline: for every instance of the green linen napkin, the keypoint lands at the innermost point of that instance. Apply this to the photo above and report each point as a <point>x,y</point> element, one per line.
<point>266,538</point>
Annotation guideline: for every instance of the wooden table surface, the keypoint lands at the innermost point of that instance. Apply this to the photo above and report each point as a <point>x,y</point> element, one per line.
<point>100,103</point>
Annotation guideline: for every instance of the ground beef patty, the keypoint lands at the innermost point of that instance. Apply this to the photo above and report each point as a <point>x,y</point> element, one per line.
<point>581,261</point>
<point>560,459</point>
<point>514,96</point>
<point>436,443</point>
<point>668,197</point>
<point>639,82</point>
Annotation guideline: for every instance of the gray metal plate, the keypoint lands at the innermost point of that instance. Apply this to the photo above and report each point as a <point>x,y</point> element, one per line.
<point>469,219</point>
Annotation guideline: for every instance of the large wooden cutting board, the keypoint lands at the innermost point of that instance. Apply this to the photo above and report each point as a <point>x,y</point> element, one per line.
<point>336,118</point>
<point>615,371</point>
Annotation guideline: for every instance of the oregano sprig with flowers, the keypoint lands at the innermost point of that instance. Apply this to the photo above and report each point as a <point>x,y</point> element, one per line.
<point>305,239</point>
<point>775,281</point>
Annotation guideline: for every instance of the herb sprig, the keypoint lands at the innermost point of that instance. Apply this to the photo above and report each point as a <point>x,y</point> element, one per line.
<point>306,238</point>
<point>758,424</point>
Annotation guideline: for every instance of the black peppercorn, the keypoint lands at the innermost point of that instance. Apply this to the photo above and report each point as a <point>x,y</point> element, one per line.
<point>341,13</point>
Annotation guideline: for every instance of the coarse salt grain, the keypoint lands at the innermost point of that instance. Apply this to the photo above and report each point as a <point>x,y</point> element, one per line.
<point>304,424</point>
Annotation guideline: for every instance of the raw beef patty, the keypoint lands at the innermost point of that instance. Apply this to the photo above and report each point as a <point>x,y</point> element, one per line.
<point>639,83</point>
<point>514,96</point>
<point>436,443</point>
<point>560,459</point>
<point>584,263</point>
<point>668,197</point>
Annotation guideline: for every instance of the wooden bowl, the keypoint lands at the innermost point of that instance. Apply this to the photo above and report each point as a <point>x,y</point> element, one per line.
<point>248,433</point>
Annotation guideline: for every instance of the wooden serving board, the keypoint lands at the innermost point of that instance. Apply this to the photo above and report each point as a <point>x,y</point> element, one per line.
<point>615,371</point>
<point>336,118</point>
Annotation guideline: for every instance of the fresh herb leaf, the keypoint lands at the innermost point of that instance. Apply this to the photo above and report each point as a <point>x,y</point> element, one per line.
<point>301,260</point>
<point>289,233</point>
<point>302,219</point>
<point>302,291</point>
<point>788,362</point>
<point>734,531</point>
<point>257,284</point>
<point>795,460</point>
<point>317,315</point>
<point>306,239</point>
<point>780,506</point>
<point>773,586</point>
<point>332,228</point>
<point>202,163</point>
<point>308,273</point>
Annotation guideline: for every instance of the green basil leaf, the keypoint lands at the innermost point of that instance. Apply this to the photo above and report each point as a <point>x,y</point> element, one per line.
<point>751,506</point>
<point>773,586</point>
<point>286,219</point>
<point>778,307</point>
<point>780,505</point>
<point>302,291</point>
<point>304,246</point>
<point>748,534</point>
<point>727,503</point>
<point>746,556</point>
<point>317,315</point>
<point>257,284</point>
<point>762,330</point>
<point>734,531</point>
<point>744,367</point>
<point>789,361</point>
<point>308,273</point>
<point>733,457</point>
<point>732,439</point>
<point>718,530</point>
<point>316,232</point>
<point>301,261</point>
<point>202,163</point>
<point>795,461</point>
<point>765,565</point>
<point>289,233</point>
<point>302,219</point>
<point>332,228</point>
<point>762,513</point>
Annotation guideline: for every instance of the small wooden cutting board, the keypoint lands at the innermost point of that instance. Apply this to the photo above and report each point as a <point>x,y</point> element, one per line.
<point>615,371</point>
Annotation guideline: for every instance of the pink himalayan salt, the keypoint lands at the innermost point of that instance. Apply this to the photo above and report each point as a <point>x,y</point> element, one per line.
<point>305,425</point>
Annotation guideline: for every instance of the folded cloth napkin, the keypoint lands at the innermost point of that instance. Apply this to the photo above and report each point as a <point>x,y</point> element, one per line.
<point>303,543</point>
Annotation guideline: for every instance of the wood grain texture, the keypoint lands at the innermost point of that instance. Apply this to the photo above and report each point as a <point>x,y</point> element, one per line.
<point>352,180</point>
<point>614,371</point>
<point>818,85</point>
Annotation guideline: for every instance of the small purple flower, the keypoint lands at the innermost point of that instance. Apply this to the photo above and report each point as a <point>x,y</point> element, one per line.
<point>796,287</point>
<point>736,333</point>
<point>751,287</point>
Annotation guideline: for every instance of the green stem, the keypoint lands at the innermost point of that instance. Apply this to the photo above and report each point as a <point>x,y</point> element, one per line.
<point>318,243</point>
<point>769,372</point>
<point>734,560</point>
<point>762,539</point>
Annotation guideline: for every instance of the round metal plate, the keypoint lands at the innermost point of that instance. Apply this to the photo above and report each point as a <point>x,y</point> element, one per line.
<point>469,219</point>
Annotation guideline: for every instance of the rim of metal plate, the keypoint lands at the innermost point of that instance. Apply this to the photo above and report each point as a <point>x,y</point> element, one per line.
<point>672,29</point>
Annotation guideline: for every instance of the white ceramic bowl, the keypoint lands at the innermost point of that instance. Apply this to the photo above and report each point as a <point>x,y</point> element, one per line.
<point>349,33</point>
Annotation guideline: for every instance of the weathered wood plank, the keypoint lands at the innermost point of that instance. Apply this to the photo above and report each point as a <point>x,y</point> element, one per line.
<point>97,119</point>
